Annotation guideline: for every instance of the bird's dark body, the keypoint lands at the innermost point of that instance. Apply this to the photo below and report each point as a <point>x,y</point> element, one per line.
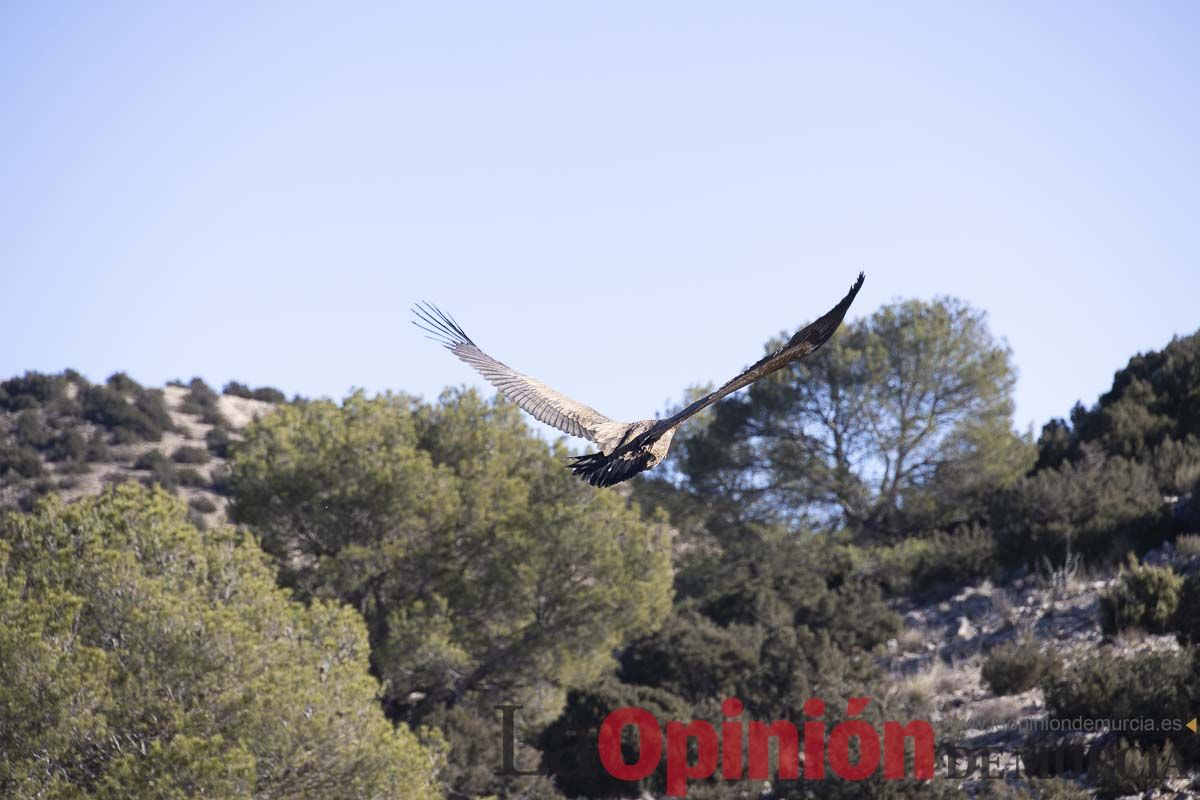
<point>625,448</point>
<point>599,469</point>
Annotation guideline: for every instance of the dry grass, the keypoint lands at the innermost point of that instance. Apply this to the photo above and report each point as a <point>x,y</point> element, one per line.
<point>1188,545</point>
<point>994,712</point>
<point>911,640</point>
<point>1003,606</point>
<point>937,679</point>
<point>1062,580</point>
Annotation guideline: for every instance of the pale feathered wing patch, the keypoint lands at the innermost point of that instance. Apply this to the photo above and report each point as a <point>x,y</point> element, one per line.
<point>531,395</point>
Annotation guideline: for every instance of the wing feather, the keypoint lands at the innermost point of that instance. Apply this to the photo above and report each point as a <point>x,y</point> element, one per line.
<point>804,342</point>
<point>532,396</point>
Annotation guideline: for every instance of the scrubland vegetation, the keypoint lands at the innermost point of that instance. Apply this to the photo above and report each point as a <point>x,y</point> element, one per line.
<point>400,567</point>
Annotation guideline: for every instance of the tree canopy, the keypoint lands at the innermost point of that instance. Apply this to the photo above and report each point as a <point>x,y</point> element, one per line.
<point>902,422</point>
<point>144,659</point>
<point>481,566</point>
<point>1150,414</point>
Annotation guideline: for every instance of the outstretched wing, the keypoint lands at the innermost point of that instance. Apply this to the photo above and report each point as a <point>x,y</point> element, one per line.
<point>807,340</point>
<point>632,457</point>
<point>532,396</point>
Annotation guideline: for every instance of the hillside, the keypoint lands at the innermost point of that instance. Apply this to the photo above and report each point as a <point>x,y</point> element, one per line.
<point>1013,592</point>
<point>61,434</point>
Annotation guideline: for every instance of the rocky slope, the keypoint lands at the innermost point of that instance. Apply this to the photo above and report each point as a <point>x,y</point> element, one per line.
<point>940,656</point>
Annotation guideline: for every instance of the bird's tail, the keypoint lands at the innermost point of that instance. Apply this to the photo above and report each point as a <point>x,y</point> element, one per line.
<point>599,469</point>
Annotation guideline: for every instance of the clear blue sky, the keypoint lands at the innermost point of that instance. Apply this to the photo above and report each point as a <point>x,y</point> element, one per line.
<point>620,199</point>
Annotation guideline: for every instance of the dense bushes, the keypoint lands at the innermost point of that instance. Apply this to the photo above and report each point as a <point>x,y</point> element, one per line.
<point>143,660</point>
<point>1019,666</point>
<point>162,470</point>
<point>217,440</point>
<point>1155,396</point>
<point>23,462</point>
<point>923,563</point>
<point>202,504</point>
<point>45,419</point>
<point>202,401</point>
<point>1036,789</point>
<point>1107,686</point>
<point>1187,616</point>
<point>1176,465</point>
<point>1123,768</point>
<point>264,393</point>
<point>1188,545</point>
<point>31,429</point>
<point>1099,509</point>
<point>1147,686</point>
<point>483,568</point>
<point>189,476</point>
<point>189,455</point>
<point>35,390</point>
<point>98,449</point>
<point>569,743</point>
<point>132,415</point>
<point>68,446</point>
<point>1143,597</point>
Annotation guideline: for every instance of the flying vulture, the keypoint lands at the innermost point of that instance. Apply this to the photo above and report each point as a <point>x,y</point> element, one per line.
<point>626,448</point>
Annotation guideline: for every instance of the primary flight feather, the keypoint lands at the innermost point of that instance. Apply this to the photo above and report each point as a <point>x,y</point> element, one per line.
<point>626,448</point>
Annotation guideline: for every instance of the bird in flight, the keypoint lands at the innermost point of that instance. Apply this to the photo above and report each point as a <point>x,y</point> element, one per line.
<point>625,448</point>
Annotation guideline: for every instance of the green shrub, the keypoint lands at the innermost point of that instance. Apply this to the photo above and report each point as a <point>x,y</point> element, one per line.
<point>34,492</point>
<point>1187,616</point>
<point>31,390</point>
<point>1176,465</point>
<point>31,429</point>
<point>1036,789</point>
<point>1188,545</point>
<point>1143,597</point>
<point>1017,667</point>
<point>212,416</point>
<point>191,477</point>
<point>190,455</point>
<point>569,743</point>
<point>217,440</point>
<point>265,393</point>
<point>162,471</point>
<point>98,449</point>
<point>202,504</point>
<point>142,659</point>
<point>268,394</point>
<point>219,480</point>
<point>67,446</point>
<point>199,399</point>
<point>1117,688</point>
<point>384,492</point>
<point>1099,509</point>
<point>1153,397</point>
<point>920,564</point>
<point>143,417</point>
<point>151,459</point>
<point>123,384</point>
<point>693,658</point>
<point>237,389</point>
<point>202,401</point>
<point>74,467</point>
<point>21,461</point>
<point>1123,768</point>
